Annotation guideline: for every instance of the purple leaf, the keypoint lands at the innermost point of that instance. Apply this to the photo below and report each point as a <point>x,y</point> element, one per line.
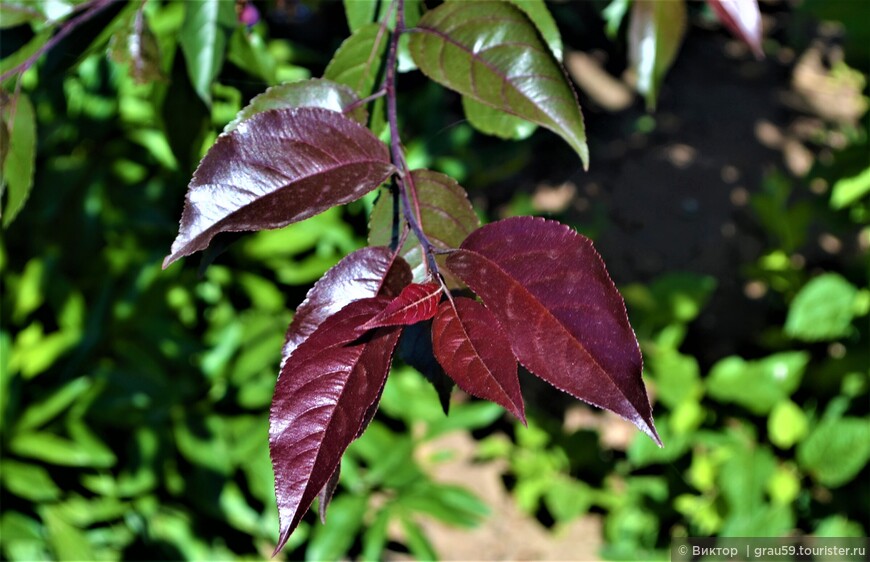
<point>417,302</point>
<point>322,400</point>
<point>325,495</point>
<point>655,32</point>
<point>446,217</point>
<point>368,272</point>
<point>277,168</point>
<point>563,316</point>
<point>305,93</point>
<point>743,19</point>
<point>476,353</point>
<point>492,52</point>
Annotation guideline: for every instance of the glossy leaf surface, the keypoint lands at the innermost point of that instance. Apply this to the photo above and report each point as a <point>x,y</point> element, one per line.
<point>306,93</point>
<point>417,302</point>
<point>278,168</point>
<point>743,19</point>
<point>18,165</point>
<point>655,32</point>
<point>323,394</point>
<point>358,60</point>
<point>203,37</point>
<point>491,121</point>
<point>446,216</point>
<point>475,352</point>
<point>563,316</point>
<point>537,12</point>
<point>492,52</point>
<point>366,273</point>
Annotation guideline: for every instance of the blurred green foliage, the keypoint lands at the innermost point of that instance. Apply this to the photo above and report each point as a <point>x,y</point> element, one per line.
<point>134,401</point>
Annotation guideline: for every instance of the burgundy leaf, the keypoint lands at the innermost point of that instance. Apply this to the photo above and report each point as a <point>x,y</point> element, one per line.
<point>743,19</point>
<point>277,168</point>
<point>446,217</point>
<point>322,399</point>
<point>417,302</point>
<point>563,316</point>
<point>364,273</point>
<point>325,495</point>
<point>476,353</point>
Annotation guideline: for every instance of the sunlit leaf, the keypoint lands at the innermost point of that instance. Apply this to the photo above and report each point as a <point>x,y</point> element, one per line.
<point>849,190</point>
<point>275,169</point>
<point>20,157</point>
<point>357,62</point>
<point>16,12</point>
<point>822,310</point>
<point>366,273</point>
<point>475,352</point>
<point>494,122</point>
<point>416,303</point>
<point>565,320</point>
<point>306,93</point>
<point>655,32</point>
<point>203,37</point>
<point>446,216</point>
<point>492,52</point>
<point>537,12</point>
<point>836,450</point>
<point>743,19</point>
<point>323,394</point>
<point>757,385</point>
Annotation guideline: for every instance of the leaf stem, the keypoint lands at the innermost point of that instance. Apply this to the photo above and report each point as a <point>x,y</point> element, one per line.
<point>359,103</point>
<point>88,10</point>
<point>406,188</point>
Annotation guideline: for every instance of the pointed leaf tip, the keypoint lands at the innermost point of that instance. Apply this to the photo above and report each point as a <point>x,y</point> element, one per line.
<point>276,168</point>
<point>566,322</point>
<point>474,351</point>
<point>417,302</point>
<point>743,20</point>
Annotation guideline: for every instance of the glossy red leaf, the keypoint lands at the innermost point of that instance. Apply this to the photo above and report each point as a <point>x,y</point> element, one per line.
<point>417,302</point>
<point>365,273</point>
<point>323,398</point>
<point>475,352</point>
<point>563,316</point>
<point>743,19</point>
<point>277,168</point>
<point>446,217</point>
<point>493,53</point>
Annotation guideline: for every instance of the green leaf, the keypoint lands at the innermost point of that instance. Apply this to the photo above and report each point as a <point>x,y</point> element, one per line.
<point>677,377</point>
<point>29,481</point>
<point>418,544</point>
<point>307,93</point>
<point>613,14</point>
<point>360,13</point>
<point>43,411</point>
<point>54,449</point>
<point>344,519</point>
<point>249,52</point>
<point>491,121</point>
<point>757,385</point>
<point>204,34</point>
<point>20,158</point>
<point>492,53</point>
<point>822,310</point>
<point>14,13</point>
<point>787,424</point>
<point>67,541</point>
<point>568,499</point>
<point>21,55</point>
<point>849,190</point>
<point>23,537</point>
<point>655,32</point>
<point>446,217</point>
<point>537,12</point>
<point>836,450</point>
<point>451,504</point>
<point>374,538</point>
<point>357,62</point>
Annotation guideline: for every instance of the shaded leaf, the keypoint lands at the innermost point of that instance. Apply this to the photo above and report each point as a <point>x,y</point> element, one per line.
<point>475,352</point>
<point>325,495</point>
<point>331,542</point>
<point>365,273</point>
<point>277,168</point>
<point>249,52</point>
<point>20,157</point>
<point>207,27</point>
<point>306,93</point>
<point>743,19</point>
<point>415,349</point>
<point>135,46</point>
<point>417,302</point>
<point>323,394</point>
<point>491,52</point>
<point>446,216</point>
<point>655,32</point>
<point>563,316</point>
<point>357,62</point>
